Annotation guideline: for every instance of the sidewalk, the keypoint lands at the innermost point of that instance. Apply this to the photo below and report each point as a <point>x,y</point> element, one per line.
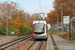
<point>63,44</point>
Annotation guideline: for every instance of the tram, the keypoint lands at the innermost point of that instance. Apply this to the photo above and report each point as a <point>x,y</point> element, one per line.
<point>39,29</point>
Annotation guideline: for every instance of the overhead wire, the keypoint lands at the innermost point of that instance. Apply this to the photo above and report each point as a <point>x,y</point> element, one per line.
<point>21,5</point>
<point>40,5</point>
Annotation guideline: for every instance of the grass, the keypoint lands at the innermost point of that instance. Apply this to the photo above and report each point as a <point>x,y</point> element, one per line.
<point>72,36</point>
<point>2,35</point>
<point>5,35</point>
<point>54,31</point>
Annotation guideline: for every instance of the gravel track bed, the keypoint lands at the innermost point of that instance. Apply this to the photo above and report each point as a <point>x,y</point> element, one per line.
<point>43,47</point>
<point>24,46</point>
<point>35,46</point>
<point>11,45</point>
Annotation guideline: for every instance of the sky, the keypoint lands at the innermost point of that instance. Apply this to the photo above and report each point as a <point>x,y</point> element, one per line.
<point>32,6</point>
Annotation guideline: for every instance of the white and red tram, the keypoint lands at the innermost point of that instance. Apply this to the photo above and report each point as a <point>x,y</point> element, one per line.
<point>39,29</point>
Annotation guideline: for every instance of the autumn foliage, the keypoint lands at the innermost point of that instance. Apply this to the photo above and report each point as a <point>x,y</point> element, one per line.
<point>28,23</point>
<point>68,7</point>
<point>52,17</point>
<point>10,12</point>
<point>16,22</point>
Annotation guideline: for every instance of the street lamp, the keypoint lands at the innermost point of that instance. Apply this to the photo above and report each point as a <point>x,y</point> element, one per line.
<point>7,19</point>
<point>61,20</point>
<point>7,25</point>
<point>57,22</point>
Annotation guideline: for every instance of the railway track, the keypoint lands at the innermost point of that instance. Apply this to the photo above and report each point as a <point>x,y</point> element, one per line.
<point>36,45</point>
<point>17,41</point>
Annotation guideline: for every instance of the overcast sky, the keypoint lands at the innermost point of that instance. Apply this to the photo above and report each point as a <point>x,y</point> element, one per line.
<point>32,6</point>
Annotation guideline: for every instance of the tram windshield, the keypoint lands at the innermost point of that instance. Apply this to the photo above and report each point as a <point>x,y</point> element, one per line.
<point>39,27</point>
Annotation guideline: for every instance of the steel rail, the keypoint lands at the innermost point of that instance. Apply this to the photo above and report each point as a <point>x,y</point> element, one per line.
<point>31,45</point>
<point>41,42</point>
<point>38,48</point>
<point>13,42</point>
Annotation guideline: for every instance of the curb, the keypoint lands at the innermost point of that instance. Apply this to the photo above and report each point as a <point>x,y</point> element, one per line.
<point>49,45</point>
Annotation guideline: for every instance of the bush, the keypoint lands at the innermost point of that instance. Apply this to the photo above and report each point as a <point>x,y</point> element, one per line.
<point>24,29</point>
<point>13,29</point>
<point>3,30</point>
<point>30,30</point>
<point>10,29</point>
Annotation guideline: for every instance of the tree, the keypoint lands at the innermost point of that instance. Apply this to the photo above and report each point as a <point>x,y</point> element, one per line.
<point>28,23</point>
<point>11,10</point>
<point>16,22</point>
<point>52,17</point>
<point>24,29</point>
<point>68,7</point>
<point>36,16</point>
<point>8,9</point>
<point>47,19</point>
